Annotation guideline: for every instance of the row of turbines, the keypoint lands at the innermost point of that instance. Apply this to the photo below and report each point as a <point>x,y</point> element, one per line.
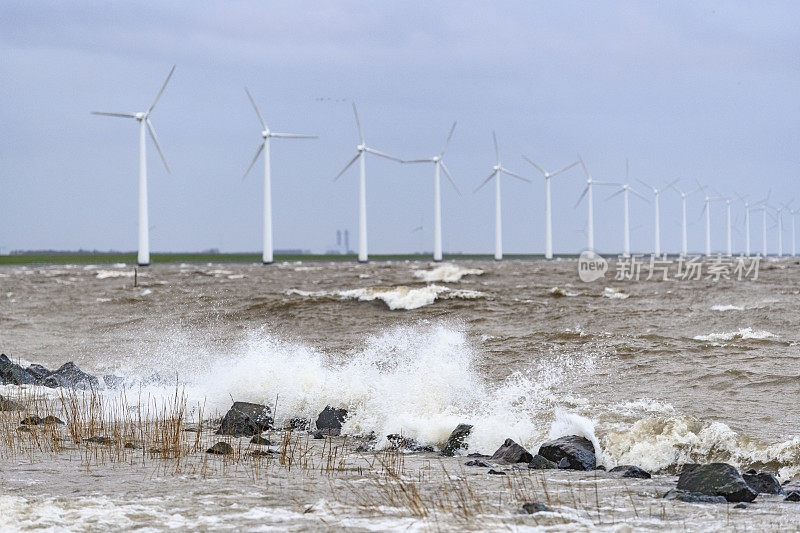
<point>439,166</point>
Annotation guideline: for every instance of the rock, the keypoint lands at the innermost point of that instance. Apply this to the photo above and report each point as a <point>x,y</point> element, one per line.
<point>220,448</point>
<point>245,419</point>
<point>113,382</point>
<point>793,497</point>
<point>511,452</point>
<point>9,405</point>
<point>368,443</point>
<point>541,463</point>
<point>38,371</point>
<point>455,441</point>
<point>31,420</point>
<point>50,419</point>
<point>331,419</point>
<point>630,471</point>
<point>478,455</point>
<point>535,507</point>
<point>132,446</point>
<point>301,424</point>
<point>563,463</point>
<point>716,479</point>
<point>496,472</point>
<point>791,486</point>
<point>97,439</point>
<point>478,462</point>
<point>318,435</point>
<point>70,376</point>
<point>741,505</point>
<point>262,453</point>
<point>762,483</point>
<point>578,451</point>
<point>324,433</point>
<point>261,441</point>
<point>13,373</point>
<point>407,443</point>
<point>693,497</point>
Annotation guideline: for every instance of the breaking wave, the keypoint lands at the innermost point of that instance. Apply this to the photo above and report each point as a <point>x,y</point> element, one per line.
<point>398,297</point>
<point>743,333</point>
<point>447,273</point>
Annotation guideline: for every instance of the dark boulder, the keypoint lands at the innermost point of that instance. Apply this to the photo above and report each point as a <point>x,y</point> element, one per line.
<point>33,420</point>
<point>478,462</point>
<point>98,439</point>
<point>497,473</point>
<point>406,443</point>
<point>716,479</point>
<point>762,482</point>
<point>13,373</point>
<point>245,419</point>
<point>693,497</point>
<point>70,376</point>
<point>630,471</point>
<point>38,371</point>
<point>261,441</point>
<point>511,452</point>
<point>791,486</point>
<point>367,442</point>
<point>301,424</point>
<point>535,507</point>
<point>9,405</point>
<point>113,382</point>
<point>578,451</point>
<point>220,448</point>
<point>741,505</point>
<point>50,419</point>
<point>455,441</point>
<point>793,497</point>
<point>541,463</point>
<point>330,421</point>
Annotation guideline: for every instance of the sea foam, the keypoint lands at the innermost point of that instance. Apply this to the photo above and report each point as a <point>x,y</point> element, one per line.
<point>447,273</point>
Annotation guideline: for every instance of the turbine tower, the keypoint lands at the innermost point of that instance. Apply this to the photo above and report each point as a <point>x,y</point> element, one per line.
<point>266,135</point>
<point>361,151</point>
<point>587,191</point>
<point>143,257</point>
<point>548,222</point>
<point>684,239</point>
<point>747,206</point>
<point>497,170</point>
<point>763,206</point>
<point>707,212</point>
<point>625,190</point>
<point>438,164</point>
<point>656,214</point>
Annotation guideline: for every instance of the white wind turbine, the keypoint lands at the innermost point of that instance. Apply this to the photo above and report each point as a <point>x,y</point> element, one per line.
<point>794,240</point>
<point>361,151</point>
<point>728,242</point>
<point>684,239</point>
<point>587,191</point>
<point>438,164</point>
<point>747,206</point>
<point>548,223</point>
<point>762,205</point>
<point>143,257</point>
<point>656,214</point>
<point>266,135</point>
<point>497,170</point>
<point>707,212</point>
<point>779,216</point>
<point>625,189</point>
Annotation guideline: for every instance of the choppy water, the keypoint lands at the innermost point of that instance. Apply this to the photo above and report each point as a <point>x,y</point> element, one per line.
<point>657,373</point>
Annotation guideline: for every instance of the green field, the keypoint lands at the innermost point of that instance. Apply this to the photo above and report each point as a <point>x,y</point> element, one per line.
<point>130,258</point>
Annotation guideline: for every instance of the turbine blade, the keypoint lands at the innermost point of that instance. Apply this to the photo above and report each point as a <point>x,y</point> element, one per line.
<point>358,123</point>
<point>260,118</point>
<point>645,184</point>
<point>496,147</point>
<point>447,142</point>
<point>253,162</point>
<point>606,183</point>
<point>615,194</point>
<point>347,166</point>
<point>149,109</point>
<point>292,136</point>
<point>540,169</point>
<point>564,169</point>
<point>585,170</point>
<point>634,191</point>
<point>155,141</point>
<point>428,160</point>
<point>450,177</point>
<point>585,190</point>
<point>381,154</point>
<point>108,114</point>
<point>670,184</point>
<point>484,182</point>
<point>513,175</point>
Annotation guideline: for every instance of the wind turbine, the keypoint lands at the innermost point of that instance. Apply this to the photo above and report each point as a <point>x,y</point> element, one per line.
<point>497,170</point>
<point>728,243</point>
<point>779,215</point>
<point>266,135</point>
<point>762,205</point>
<point>143,257</point>
<point>794,240</point>
<point>656,214</point>
<point>684,240</point>
<point>438,164</point>
<point>361,152</point>
<point>625,189</point>
<point>707,211</point>
<point>587,191</point>
<point>747,206</point>
<point>548,223</point>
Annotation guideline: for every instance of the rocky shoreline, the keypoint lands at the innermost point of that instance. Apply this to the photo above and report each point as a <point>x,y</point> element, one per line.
<point>696,483</point>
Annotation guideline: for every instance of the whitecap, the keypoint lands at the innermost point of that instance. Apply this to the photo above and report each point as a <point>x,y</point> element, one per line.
<point>447,273</point>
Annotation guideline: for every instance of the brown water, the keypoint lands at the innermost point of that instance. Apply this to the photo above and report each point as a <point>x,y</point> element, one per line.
<point>656,373</point>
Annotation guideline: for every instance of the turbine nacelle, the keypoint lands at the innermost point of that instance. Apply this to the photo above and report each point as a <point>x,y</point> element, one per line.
<point>140,116</point>
<point>361,147</point>
<point>265,134</point>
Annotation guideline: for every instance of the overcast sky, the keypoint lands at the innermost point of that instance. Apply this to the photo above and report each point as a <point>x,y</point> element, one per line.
<point>685,90</point>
